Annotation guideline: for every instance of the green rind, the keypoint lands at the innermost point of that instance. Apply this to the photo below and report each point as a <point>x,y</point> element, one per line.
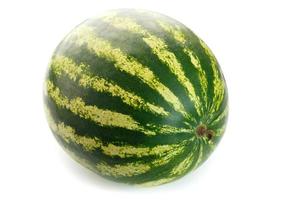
<point>88,138</point>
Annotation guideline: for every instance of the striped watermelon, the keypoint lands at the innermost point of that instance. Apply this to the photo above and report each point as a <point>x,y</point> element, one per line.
<point>136,97</point>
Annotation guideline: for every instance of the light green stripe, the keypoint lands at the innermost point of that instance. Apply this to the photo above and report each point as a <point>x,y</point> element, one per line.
<point>200,155</point>
<point>221,130</point>
<point>221,116</point>
<point>157,182</point>
<point>180,37</point>
<point>99,116</point>
<point>127,170</point>
<point>159,48</point>
<point>166,129</point>
<point>79,72</point>
<point>68,134</point>
<point>175,172</point>
<point>90,144</point>
<point>183,166</point>
<point>168,157</point>
<point>132,169</point>
<point>218,83</point>
<point>123,62</point>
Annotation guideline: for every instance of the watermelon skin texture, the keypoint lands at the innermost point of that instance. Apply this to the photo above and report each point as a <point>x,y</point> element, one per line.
<point>136,97</point>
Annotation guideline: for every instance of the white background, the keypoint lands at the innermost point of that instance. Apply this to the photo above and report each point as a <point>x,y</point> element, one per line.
<point>257,44</point>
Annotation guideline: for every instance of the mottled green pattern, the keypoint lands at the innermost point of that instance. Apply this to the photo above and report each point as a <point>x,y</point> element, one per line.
<point>125,93</point>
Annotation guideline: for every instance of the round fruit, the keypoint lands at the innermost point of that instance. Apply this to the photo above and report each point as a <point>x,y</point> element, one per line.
<point>136,97</point>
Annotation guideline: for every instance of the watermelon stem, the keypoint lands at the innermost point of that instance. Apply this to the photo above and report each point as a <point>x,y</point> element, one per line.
<point>203,131</point>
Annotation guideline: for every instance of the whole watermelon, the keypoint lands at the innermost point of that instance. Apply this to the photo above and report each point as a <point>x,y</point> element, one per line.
<point>136,97</point>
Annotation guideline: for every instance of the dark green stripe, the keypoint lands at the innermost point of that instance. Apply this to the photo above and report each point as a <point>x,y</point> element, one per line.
<point>214,116</point>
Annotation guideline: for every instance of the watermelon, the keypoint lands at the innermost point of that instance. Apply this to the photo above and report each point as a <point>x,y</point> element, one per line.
<point>136,97</point>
